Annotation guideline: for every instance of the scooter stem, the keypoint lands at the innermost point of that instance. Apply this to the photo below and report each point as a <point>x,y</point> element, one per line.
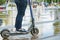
<point>32,18</point>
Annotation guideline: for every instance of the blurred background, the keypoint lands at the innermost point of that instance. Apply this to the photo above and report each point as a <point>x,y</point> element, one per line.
<point>46,14</point>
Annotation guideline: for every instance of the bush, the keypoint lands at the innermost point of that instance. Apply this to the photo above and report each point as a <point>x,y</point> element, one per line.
<point>56,23</point>
<point>2,2</point>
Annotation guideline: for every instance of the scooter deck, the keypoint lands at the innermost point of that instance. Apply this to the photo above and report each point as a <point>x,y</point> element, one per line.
<point>17,33</point>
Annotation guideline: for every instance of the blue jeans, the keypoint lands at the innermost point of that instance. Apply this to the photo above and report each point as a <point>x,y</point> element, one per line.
<point>21,7</point>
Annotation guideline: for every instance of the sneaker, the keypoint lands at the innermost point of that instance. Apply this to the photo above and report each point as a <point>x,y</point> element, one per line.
<point>21,31</point>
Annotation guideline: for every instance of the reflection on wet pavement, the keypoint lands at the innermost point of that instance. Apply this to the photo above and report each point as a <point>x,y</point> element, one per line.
<point>22,38</point>
<point>5,39</point>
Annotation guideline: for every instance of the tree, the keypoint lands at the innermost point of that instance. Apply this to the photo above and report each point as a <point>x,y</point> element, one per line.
<point>2,2</point>
<point>39,0</point>
<point>49,1</point>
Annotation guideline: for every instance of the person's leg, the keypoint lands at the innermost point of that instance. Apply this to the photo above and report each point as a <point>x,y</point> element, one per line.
<point>18,23</point>
<point>21,7</point>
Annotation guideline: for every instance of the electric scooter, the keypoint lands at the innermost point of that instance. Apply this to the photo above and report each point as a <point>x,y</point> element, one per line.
<point>5,33</point>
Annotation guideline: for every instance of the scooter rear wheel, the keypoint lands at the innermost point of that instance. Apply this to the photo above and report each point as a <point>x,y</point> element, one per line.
<point>34,31</point>
<point>4,33</point>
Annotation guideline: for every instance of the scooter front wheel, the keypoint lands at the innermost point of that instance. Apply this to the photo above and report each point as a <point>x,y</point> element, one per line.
<point>34,31</point>
<point>4,33</point>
